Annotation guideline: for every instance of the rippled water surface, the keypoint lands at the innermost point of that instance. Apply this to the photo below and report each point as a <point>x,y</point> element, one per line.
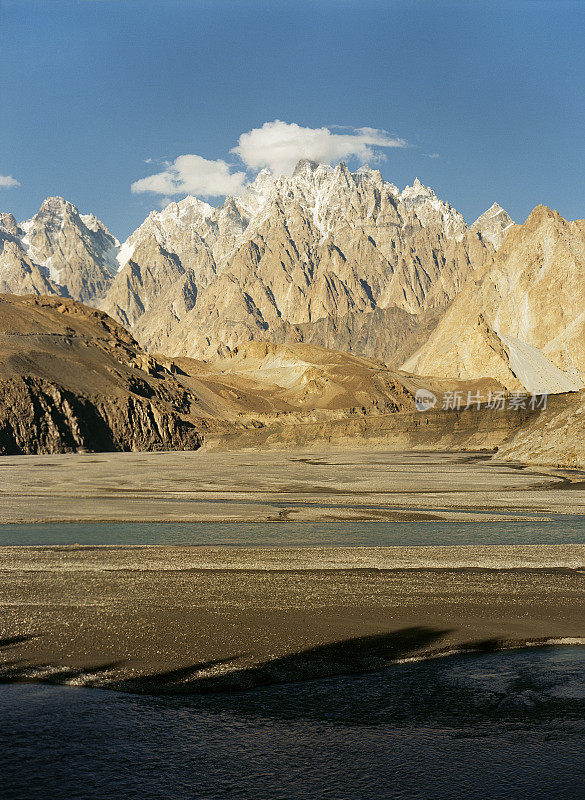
<point>507,725</point>
<point>555,529</point>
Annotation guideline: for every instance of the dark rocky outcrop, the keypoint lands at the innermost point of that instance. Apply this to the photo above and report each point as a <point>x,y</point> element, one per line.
<point>71,379</point>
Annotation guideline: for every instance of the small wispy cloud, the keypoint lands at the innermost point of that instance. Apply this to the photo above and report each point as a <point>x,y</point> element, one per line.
<point>8,182</point>
<point>433,155</point>
<point>277,145</point>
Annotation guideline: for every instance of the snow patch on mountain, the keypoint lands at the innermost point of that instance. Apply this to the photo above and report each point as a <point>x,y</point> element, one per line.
<point>44,263</point>
<point>125,253</point>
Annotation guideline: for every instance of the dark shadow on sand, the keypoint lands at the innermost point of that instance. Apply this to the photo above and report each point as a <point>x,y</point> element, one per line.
<point>22,670</point>
<point>349,657</point>
<point>356,681</point>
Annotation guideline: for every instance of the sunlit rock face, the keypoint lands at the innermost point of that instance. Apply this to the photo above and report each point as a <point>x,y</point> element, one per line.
<point>520,318</point>
<point>58,251</point>
<point>493,225</point>
<point>317,256</point>
<point>286,256</point>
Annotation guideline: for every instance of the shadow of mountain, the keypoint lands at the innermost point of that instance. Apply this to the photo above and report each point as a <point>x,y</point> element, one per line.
<point>351,682</point>
<point>349,657</point>
<point>354,681</point>
<point>25,670</point>
<point>10,641</point>
<point>20,671</point>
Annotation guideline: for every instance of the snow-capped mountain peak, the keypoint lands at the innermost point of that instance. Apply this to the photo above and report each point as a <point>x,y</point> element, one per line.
<point>286,250</point>
<point>493,225</point>
<point>58,206</point>
<point>75,252</point>
<point>187,217</point>
<point>430,209</point>
<point>305,167</point>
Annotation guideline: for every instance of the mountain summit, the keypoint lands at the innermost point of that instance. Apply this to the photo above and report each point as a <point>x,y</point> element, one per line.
<point>493,225</point>
<point>329,256</point>
<point>58,251</point>
<point>292,258</point>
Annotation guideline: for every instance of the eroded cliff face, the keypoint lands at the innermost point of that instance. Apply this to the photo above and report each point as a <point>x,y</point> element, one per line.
<point>556,437</point>
<point>72,379</point>
<point>436,430</point>
<point>38,416</point>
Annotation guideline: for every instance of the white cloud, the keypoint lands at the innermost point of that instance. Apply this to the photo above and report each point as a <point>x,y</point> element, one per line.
<point>433,155</point>
<point>8,182</point>
<point>277,145</point>
<point>280,145</point>
<point>191,174</point>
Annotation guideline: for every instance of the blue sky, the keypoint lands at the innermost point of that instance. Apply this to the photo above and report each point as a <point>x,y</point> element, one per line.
<point>93,89</point>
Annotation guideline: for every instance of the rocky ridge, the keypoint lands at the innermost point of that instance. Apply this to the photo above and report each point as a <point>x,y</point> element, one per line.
<point>325,244</point>
<point>72,379</point>
<point>291,258</point>
<point>520,318</point>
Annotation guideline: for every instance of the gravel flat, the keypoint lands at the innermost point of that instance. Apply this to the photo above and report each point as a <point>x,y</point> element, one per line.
<point>162,619</point>
<point>209,486</point>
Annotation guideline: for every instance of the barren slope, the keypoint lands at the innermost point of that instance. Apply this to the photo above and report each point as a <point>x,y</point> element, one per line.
<point>72,379</point>
<point>555,437</point>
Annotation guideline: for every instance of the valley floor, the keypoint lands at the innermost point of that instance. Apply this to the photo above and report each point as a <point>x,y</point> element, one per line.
<point>189,618</point>
<point>200,486</point>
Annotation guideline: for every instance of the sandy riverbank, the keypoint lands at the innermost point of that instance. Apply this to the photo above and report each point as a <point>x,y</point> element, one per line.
<point>276,485</point>
<point>179,618</point>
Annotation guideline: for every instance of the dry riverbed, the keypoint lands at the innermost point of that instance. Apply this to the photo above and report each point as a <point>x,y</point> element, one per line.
<point>172,618</point>
<point>276,485</point>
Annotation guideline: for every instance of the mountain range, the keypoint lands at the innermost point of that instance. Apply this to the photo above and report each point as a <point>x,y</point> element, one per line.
<point>326,257</point>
